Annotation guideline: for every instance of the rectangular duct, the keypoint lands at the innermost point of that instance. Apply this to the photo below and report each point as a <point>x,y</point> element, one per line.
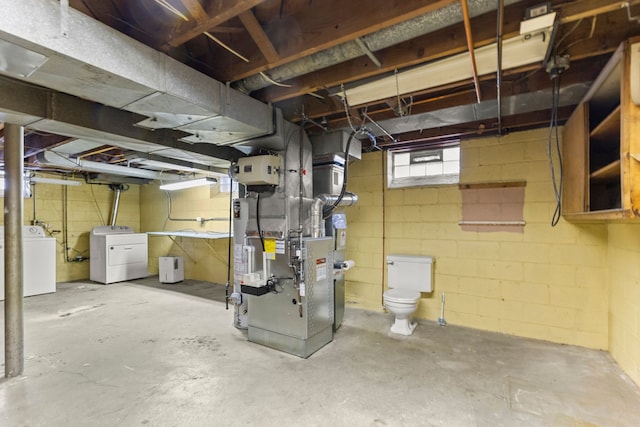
<point>95,62</point>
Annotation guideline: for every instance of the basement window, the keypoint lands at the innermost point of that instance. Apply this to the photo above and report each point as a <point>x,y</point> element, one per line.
<point>434,166</point>
<point>224,185</point>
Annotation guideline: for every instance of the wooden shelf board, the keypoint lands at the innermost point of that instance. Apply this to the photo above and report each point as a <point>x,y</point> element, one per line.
<point>598,216</point>
<point>608,130</point>
<point>608,172</point>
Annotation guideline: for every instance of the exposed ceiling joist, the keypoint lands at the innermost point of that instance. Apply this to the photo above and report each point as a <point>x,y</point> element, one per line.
<point>429,47</point>
<point>293,42</point>
<point>195,10</point>
<point>574,11</point>
<point>332,22</point>
<point>259,36</point>
<point>222,11</point>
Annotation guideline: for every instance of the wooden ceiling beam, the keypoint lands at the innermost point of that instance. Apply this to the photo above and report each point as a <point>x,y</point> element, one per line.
<point>574,11</point>
<point>35,143</point>
<point>259,36</point>
<point>332,22</point>
<point>438,44</point>
<point>605,40</point>
<point>195,9</point>
<point>221,11</point>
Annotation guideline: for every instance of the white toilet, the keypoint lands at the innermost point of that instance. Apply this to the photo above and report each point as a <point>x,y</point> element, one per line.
<point>409,275</point>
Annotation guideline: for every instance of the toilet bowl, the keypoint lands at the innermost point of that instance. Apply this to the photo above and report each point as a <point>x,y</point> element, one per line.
<point>408,276</point>
<point>402,303</point>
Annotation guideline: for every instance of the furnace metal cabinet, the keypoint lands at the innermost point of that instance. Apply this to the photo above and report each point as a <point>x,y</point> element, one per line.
<point>118,254</point>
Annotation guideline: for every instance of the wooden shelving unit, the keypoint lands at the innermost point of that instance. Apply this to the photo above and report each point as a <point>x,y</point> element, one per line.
<point>600,174</point>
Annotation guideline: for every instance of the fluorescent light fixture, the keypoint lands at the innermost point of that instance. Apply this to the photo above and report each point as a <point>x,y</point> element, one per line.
<point>42,180</point>
<point>518,51</point>
<point>180,185</point>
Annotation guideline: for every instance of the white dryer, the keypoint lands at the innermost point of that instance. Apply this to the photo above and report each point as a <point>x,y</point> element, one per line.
<point>117,254</point>
<point>38,261</point>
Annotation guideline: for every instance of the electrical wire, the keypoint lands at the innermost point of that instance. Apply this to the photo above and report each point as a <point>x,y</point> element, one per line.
<point>554,132</point>
<point>568,33</point>
<point>345,102</point>
<point>593,29</point>
<point>258,221</point>
<point>95,201</point>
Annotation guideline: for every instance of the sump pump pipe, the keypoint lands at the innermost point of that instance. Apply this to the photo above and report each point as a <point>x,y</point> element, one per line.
<point>317,221</point>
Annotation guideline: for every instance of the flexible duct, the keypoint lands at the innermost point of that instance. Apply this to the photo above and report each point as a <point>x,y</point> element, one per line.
<point>118,189</point>
<point>116,204</point>
<point>317,223</point>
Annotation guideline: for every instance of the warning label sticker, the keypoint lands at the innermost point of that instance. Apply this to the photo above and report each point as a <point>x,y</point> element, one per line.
<point>270,246</point>
<point>321,269</point>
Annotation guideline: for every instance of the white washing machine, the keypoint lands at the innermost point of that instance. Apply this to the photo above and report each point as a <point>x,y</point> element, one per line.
<point>38,261</point>
<point>117,254</point>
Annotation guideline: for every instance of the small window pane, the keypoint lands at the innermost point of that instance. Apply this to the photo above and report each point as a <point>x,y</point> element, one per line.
<point>434,169</point>
<point>400,159</point>
<point>402,171</point>
<point>419,169</point>
<point>451,167</point>
<point>451,154</point>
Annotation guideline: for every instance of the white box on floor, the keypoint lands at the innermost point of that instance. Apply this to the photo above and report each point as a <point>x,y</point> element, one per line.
<point>171,269</point>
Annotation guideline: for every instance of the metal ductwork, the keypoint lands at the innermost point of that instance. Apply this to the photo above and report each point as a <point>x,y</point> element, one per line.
<point>117,191</point>
<point>67,51</point>
<point>378,40</point>
<point>54,159</point>
<point>485,110</point>
<point>322,200</point>
<point>95,124</point>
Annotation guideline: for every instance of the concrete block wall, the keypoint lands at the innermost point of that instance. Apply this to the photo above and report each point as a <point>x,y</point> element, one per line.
<point>548,282</point>
<point>204,259</point>
<point>624,305</point>
<point>88,206</point>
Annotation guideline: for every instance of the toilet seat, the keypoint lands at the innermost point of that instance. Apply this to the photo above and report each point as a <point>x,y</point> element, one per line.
<point>406,296</point>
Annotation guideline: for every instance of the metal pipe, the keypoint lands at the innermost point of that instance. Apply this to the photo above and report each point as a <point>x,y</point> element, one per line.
<point>13,274</point>
<point>505,223</point>
<point>317,222</point>
<point>471,47</point>
<point>116,204</point>
<point>499,66</point>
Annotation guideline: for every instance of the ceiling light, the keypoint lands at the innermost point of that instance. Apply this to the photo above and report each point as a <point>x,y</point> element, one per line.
<point>188,184</point>
<point>518,51</point>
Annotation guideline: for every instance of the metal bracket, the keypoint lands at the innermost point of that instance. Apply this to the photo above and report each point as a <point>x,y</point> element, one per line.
<point>365,49</point>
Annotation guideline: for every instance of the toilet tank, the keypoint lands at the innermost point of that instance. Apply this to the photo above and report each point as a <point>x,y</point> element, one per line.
<point>410,272</point>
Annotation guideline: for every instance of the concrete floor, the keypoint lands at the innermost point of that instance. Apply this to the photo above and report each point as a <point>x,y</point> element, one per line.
<point>140,353</point>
